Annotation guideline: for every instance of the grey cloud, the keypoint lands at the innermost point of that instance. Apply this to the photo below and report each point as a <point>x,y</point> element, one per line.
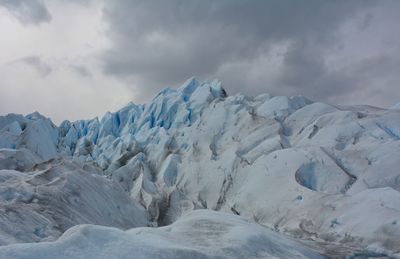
<point>332,51</point>
<point>371,80</point>
<point>37,63</point>
<point>160,43</point>
<point>381,74</point>
<point>366,21</point>
<point>27,11</point>
<point>81,70</point>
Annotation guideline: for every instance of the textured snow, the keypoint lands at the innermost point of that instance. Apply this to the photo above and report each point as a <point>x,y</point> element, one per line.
<point>200,234</point>
<point>317,172</point>
<point>42,204</point>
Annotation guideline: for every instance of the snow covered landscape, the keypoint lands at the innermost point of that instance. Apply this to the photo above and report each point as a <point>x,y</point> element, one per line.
<point>197,173</point>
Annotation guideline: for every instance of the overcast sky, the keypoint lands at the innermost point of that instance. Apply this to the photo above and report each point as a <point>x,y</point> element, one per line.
<point>77,59</point>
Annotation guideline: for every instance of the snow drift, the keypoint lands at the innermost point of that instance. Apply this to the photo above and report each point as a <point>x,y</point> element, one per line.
<point>200,234</point>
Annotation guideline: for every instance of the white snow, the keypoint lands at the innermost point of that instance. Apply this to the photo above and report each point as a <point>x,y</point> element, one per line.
<point>200,234</point>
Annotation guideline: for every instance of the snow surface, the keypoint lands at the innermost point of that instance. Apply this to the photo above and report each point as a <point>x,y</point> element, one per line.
<point>200,234</point>
<point>309,170</point>
<point>42,204</point>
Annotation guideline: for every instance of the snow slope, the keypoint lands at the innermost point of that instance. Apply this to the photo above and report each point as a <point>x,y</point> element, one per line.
<point>42,204</point>
<point>307,169</point>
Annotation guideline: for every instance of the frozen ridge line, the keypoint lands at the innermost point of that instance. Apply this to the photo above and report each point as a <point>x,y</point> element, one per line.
<point>310,170</point>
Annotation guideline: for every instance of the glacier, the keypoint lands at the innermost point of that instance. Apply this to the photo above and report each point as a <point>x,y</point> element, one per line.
<point>319,178</point>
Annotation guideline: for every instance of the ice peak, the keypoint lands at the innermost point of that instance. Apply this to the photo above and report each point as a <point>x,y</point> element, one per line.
<point>164,92</point>
<point>188,88</point>
<point>35,116</point>
<point>217,89</point>
<point>396,106</point>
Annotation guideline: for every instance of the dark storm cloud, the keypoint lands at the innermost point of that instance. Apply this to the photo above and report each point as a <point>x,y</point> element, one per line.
<point>27,11</point>
<point>338,51</point>
<point>37,63</point>
<point>159,43</point>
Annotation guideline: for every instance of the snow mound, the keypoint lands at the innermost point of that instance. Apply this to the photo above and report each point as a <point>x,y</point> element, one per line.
<point>200,234</point>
